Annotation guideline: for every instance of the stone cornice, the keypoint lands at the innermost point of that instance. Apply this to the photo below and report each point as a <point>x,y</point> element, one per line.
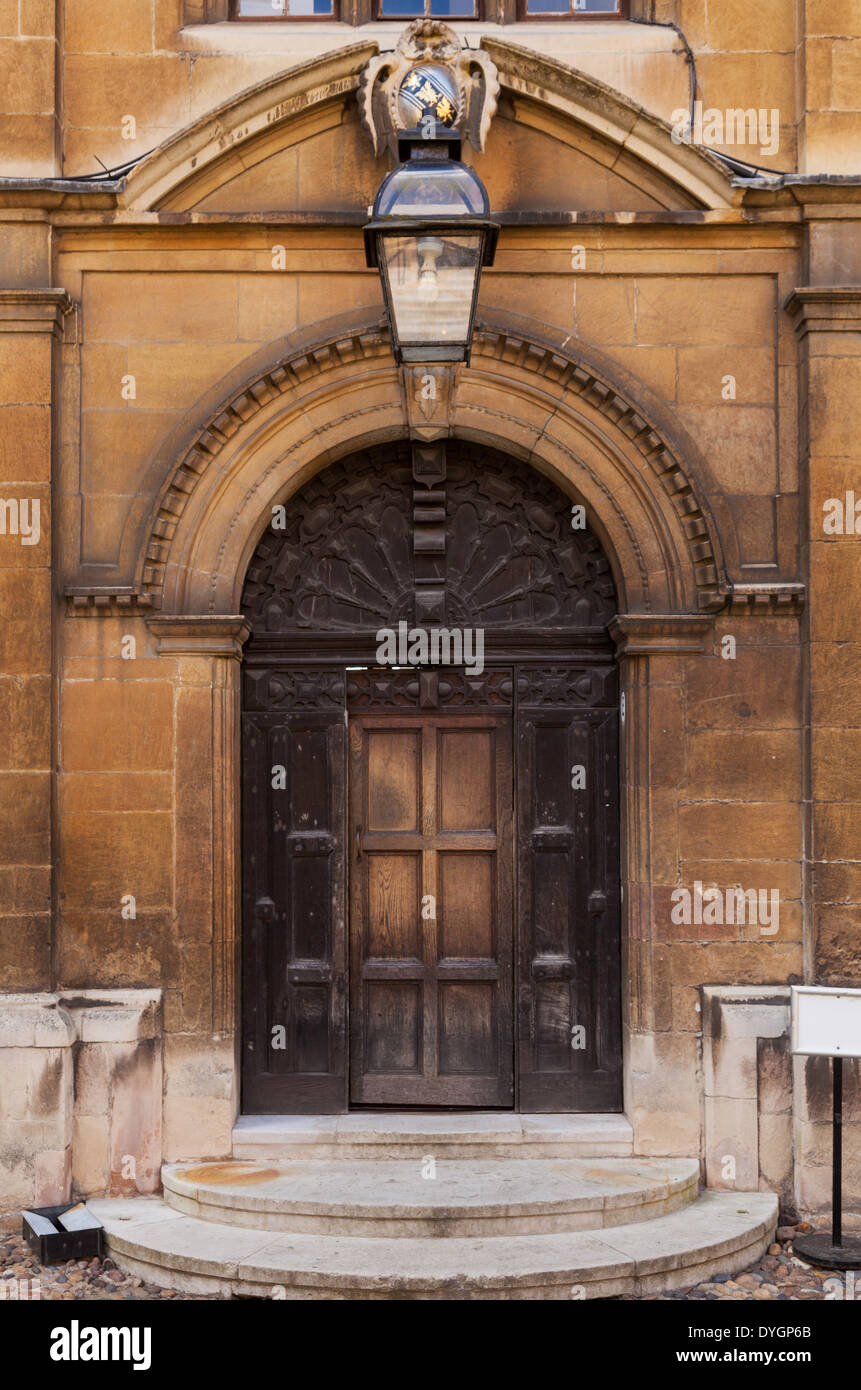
<point>191,634</point>
<point>34,311</point>
<point>766,600</point>
<point>639,634</point>
<point>105,602</point>
<point>825,309</point>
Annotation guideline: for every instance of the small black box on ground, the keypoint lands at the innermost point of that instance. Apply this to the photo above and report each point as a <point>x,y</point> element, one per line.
<point>53,1247</point>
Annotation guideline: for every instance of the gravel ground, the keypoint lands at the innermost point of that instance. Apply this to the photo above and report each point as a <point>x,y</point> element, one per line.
<point>77,1279</point>
<point>777,1276</point>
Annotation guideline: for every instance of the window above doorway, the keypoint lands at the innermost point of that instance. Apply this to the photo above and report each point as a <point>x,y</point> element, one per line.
<point>436,9</point>
<point>575,9</point>
<point>284,9</point>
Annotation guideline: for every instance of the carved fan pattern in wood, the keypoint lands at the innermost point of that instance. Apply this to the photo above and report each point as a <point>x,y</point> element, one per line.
<point>345,560</point>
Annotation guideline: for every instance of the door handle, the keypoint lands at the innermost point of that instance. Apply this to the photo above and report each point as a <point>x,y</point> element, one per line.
<point>358,842</point>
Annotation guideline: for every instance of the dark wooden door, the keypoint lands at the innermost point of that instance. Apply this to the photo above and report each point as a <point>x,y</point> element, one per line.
<point>569,962</point>
<point>431,909</point>
<point>451,534</point>
<point>294,937</point>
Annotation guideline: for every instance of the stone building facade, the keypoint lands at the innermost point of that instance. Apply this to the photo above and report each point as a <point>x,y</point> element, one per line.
<point>670,333</point>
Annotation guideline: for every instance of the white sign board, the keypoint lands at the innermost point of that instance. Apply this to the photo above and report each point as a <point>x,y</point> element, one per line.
<point>826,1022</point>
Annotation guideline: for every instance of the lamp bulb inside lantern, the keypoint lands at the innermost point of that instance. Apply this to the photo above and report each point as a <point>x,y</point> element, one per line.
<point>430,249</point>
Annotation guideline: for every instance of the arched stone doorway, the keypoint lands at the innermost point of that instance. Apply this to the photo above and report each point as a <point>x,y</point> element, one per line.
<point>431,904</point>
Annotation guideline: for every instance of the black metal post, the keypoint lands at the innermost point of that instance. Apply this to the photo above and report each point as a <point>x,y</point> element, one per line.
<point>837,1152</point>
<point>828,1249</point>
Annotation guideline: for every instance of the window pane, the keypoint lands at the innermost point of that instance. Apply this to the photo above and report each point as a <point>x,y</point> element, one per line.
<point>276,9</point>
<point>578,6</point>
<point>443,9</point>
<point>452,8</point>
<point>402,9</point>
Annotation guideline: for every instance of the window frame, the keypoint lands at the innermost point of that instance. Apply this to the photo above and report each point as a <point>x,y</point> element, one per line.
<point>373,13</point>
<point>235,17</point>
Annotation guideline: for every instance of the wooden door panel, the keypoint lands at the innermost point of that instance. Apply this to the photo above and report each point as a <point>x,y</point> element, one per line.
<point>467,1030</point>
<point>431,799</point>
<point>394,885</point>
<point>393,1035</point>
<point>569,983</point>
<point>394,780</point>
<point>466,900</point>
<point>294,940</point>
<point>465,792</point>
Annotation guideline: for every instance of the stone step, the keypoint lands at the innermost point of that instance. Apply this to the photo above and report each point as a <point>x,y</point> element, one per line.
<point>456,1197</point>
<point>471,1134</point>
<point>720,1232</point>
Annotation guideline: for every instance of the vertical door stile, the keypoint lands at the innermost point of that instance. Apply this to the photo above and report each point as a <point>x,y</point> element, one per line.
<point>356,820</point>
<point>505,901</point>
<point>430,924</point>
<point>569,961</point>
<point>294,909</point>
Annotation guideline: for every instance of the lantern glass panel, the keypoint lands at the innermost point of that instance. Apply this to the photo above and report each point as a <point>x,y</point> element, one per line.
<point>431,280</point>
<point>424,189</point>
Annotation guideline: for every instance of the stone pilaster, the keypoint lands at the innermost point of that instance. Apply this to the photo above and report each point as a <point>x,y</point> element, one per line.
<point>201,1097</point>
<point>31,329</point>
<point>828,325</point>
<point>662,1093</point>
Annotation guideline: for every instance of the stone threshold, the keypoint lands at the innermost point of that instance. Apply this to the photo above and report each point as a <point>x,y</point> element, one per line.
<point>463,1134</point>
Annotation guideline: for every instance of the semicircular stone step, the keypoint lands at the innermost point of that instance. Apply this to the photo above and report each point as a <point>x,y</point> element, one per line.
<point>720,1232</point>
<point>407,1198</point>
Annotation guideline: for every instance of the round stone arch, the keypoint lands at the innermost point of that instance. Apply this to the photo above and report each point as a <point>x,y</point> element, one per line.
<point>523,395</point>
<point>645,487</point>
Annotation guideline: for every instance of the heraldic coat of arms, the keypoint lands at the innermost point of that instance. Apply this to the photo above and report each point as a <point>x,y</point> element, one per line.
<point>430,80</point>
